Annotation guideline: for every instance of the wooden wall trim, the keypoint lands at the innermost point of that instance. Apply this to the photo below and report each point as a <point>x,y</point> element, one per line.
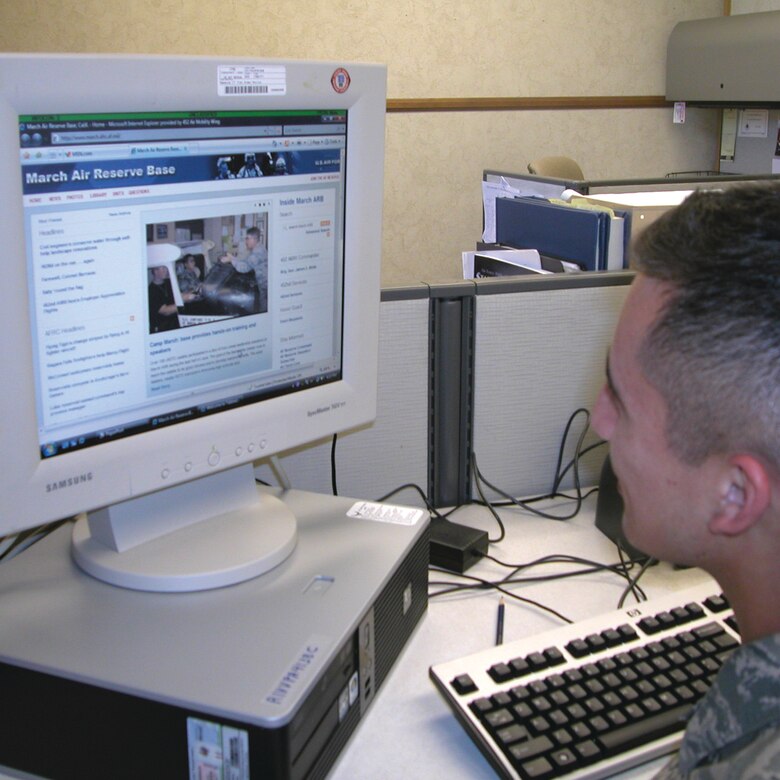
<point>410,105</point>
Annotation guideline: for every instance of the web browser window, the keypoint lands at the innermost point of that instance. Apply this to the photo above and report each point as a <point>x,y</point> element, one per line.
<point>179,264</point>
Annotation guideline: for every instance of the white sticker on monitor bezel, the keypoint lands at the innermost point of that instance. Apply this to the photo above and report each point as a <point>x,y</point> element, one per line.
<point>251,80</point>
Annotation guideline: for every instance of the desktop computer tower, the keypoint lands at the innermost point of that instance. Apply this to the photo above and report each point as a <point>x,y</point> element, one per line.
<point>266,679</point>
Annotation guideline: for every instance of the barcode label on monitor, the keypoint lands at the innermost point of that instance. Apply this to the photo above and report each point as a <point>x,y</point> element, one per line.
<point>250,89</point>
<point>251,80</point>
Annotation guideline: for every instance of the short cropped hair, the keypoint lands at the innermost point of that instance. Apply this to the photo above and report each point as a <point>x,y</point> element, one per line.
<point>714,351</point>
<point>253,231</point>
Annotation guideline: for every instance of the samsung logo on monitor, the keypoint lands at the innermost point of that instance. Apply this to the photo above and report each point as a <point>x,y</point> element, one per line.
<point>63,484</point>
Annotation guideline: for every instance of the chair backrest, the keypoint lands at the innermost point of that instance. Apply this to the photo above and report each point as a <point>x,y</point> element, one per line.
<point>558,167</point>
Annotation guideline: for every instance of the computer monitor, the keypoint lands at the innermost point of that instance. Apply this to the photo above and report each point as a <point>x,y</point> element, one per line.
<point>191,252</point>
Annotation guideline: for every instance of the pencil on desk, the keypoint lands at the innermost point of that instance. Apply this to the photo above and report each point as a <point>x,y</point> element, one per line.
<point>500,623</point>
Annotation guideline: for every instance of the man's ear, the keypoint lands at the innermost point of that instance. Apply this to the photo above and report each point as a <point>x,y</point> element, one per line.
<point>745,494</point>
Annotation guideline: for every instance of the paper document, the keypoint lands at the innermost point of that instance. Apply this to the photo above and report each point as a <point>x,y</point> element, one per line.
<point>490,191</point>
<point>481,264</point>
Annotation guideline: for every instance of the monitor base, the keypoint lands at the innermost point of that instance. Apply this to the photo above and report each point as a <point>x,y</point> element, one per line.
<point>209,533</point>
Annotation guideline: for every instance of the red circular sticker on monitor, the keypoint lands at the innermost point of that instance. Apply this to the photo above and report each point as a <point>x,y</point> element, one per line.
<point>340,80</point>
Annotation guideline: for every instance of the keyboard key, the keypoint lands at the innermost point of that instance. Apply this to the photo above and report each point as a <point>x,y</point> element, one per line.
<point>523,710</point>
<point>537,769</point>
<point>666,619</point>
<point>521,692</point>
<point>511,734</point>
<point>520,666</point>
<point>556,681</point>
<point>463,684</point>
<point>595,642</point>
<point>612,637</point>
<point>562,737</point>
<point>554,656</point>
<point>563,759</point>
<point>708,630</point>
<point>500,672</point>
<point>653,728</point>
<point>530,748</point>
<point>498,718</point>
<point>716,603</point>
<point>650,625</point>
<point>627,632</point>
<point>537,660</point>
<point>581,730</point>
<point>578,648</point>
<point>587,750</point>
<point>540,724</point>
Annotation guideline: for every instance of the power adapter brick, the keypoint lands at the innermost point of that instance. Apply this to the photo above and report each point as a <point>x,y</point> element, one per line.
<point>456,547</point>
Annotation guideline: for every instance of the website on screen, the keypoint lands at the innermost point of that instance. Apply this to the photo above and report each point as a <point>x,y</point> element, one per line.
<point>179,264</point>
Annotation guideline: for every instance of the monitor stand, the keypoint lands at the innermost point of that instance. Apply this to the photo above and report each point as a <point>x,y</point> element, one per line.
<point>211,532</point>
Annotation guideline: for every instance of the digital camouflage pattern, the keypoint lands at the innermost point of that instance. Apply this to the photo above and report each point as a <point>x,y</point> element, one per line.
<point>734,732</point>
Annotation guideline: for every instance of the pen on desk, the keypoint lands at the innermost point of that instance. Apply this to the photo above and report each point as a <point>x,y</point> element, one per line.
<point>500,623</point>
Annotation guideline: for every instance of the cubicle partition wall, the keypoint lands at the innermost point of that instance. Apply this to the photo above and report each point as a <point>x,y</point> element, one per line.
<point>539,356</point>
<point>493,367</point>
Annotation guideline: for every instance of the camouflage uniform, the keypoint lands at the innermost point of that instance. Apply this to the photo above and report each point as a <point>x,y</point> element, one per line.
<point>734,732</point>
<point>257,261</point>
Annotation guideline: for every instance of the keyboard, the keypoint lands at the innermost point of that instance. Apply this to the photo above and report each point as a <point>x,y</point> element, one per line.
<point>596,697</point>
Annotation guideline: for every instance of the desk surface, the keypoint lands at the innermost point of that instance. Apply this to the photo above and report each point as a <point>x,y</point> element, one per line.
<point>410,731</point>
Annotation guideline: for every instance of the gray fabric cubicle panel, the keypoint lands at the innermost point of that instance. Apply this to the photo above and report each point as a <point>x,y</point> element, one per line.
<point>375,459</point>
<point>540,351</point>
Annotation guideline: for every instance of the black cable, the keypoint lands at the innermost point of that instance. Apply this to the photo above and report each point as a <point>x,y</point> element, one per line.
<point>632,583</point>
<point>411,486</point>
<point>587,449</point>
<point>570,421</point>
<point>486,503</point>
<point>591,566</point>
<point>639,594</point>
<point>481,584</point>
<point>333,484</point>
<point>525,504</point>
<point>559,474</point>
<point>27,538</point>
<point>622,569</point>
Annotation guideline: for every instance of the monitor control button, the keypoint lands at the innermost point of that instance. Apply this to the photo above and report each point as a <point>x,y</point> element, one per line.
<point>214,458</point>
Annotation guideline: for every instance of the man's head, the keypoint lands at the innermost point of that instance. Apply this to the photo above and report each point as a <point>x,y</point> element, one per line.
<point>252,238</point>
<point>692,407</point>
<point>714,353</point>
<point>159,273</point>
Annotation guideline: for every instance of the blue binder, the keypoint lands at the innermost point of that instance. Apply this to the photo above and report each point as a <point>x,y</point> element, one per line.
<point>577,235</point>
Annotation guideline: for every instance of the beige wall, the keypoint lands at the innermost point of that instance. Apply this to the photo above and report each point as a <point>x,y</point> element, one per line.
<point>433,49</point>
